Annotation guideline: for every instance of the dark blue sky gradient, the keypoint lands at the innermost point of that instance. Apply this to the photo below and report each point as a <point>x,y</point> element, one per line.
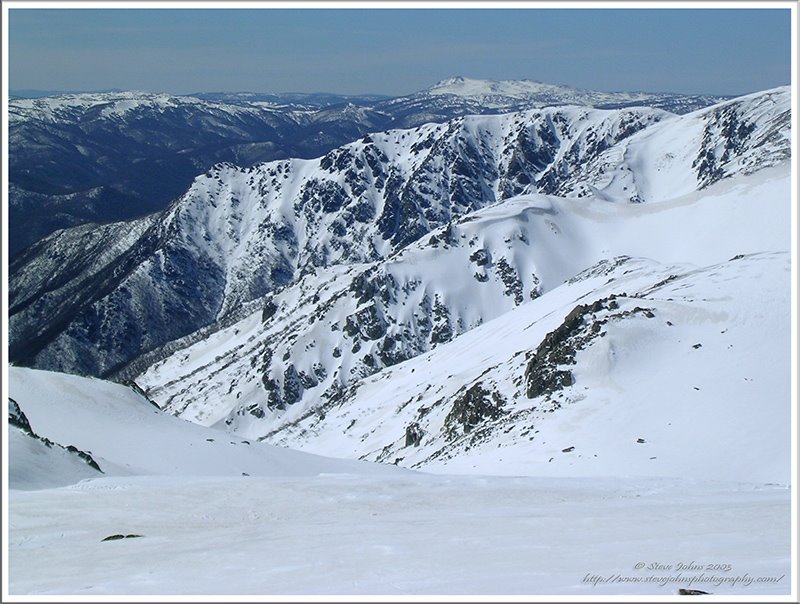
<point>397,51</point>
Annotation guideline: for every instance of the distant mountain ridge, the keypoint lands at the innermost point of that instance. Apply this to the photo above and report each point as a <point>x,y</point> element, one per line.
<point>101,157</point>
<point>501,92</point>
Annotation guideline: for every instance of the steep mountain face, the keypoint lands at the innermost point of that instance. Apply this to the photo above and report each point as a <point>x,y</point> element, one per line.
<point>101,157</point>
<point>112,156</point>
<point>294,367</point>
<point>309,341</point>
<point>687,153</point>
<point>239,233</point>
<point>576,382</point>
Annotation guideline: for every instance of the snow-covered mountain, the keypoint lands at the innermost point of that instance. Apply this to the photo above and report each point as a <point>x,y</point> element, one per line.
<point>101,157</point>
<point>240,233</point>
<point>293,367</point>
<point>284,522</point>
<point>448,329</point>
<point>503,96</point>
<point>113,430</point>
<point>567,317</point>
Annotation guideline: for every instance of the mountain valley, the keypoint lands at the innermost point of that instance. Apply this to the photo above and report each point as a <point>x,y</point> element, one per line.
<point>496,337</point>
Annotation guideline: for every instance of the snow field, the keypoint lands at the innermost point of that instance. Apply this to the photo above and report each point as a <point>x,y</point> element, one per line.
<point>409,535</point>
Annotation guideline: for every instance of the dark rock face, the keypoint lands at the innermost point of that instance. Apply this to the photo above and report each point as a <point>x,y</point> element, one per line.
<point>734,130</point>
<point>543,375</point>
<point>292,386</point>
<point>117,537</point>
<point>414,435</point>
<point>547,370</point>
<point>731,135</point>
<point>17,418</point>
<point>268,311</point>
<point>471,409</point>
<point>480,257</point>
<point>511,280</point>
<point>368,323</point>
<point>138,390</point>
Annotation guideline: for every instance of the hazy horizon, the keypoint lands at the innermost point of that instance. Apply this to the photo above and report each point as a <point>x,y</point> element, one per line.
<point>393,52</point>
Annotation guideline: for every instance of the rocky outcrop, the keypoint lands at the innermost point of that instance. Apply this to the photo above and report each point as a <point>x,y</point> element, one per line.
<point>471,409</point>
<point>548,368</point>
<point>18,419</point>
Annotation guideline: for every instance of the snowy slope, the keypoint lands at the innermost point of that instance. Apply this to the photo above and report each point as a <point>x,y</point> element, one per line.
<point>193,526</point>
<point>240,233</point>
<point>173,515</point>
<point>672,365</point>
<point>691,152</point>
<point>39,462</point>
<point>338,327</point>
<point>398,537</point>
<point>127,436</point>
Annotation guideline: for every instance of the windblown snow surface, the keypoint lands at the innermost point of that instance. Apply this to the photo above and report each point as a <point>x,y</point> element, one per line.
<point>301,524</point>
<point>607,413</point>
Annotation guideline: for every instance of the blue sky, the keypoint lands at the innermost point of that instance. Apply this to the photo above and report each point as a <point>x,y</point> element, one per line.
<point>397,51</point>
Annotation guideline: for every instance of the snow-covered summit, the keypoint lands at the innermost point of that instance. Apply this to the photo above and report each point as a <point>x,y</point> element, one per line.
<point>518,94</point>
<point>508,88</point>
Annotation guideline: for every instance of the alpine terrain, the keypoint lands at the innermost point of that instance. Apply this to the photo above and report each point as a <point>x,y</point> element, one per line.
<point>103,157</point>
<point>494,338</point>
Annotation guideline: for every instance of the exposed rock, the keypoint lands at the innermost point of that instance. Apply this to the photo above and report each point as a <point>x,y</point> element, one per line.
<point>510,280</point>
<point>547,370</point>
<point>471,409</point>
<point>414,435</point>
<point>17,418</point>
<point>543,374</point>
<point>117,537</point>
<point>480,257</point>
<point>138,390</point>
<point>269,310</point>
